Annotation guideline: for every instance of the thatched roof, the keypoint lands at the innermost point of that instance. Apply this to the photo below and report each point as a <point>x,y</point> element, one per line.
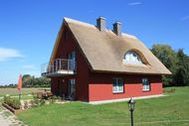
<point>104,50</point>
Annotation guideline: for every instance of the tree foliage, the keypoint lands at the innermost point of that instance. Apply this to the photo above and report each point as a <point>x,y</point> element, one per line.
<point>182,72</point>
<point>31,81</point>
<point>176,61</point>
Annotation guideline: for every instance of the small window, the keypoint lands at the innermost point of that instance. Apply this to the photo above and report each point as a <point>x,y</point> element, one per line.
<point>131,57</point>
<point>72,60</point>
<point>118,85</point>
<point>146,84</point>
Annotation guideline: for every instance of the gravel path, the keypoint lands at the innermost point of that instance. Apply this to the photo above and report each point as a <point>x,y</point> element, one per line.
<point>8,119</point>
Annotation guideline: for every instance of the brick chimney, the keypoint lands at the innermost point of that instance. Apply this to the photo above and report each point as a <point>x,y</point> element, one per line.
<point>117,28</point>
<point>101,23</point>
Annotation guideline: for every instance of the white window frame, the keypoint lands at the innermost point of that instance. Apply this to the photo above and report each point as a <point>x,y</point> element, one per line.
<point>118,85</point>
<point>72,60</point>
<point>146,84</point>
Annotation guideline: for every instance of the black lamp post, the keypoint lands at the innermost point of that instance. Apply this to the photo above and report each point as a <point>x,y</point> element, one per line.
<point>131,105</point>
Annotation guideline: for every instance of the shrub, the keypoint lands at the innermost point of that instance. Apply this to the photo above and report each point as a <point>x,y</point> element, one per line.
<point>53,99</point>
<point>36,101</point>
<point>16,103</point>
<point>13,102</point>
<point>26,105</point>
<point>42,101</point>
<point>32,103</point>
<point>6,99</point>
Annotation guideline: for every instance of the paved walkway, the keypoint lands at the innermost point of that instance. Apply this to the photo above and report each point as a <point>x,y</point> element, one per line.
<point>8,119</point>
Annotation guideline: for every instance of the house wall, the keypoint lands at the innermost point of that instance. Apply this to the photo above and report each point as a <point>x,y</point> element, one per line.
<point>58,85</point>
<point>101,87</point>
<point>92,86</point>
<point>82,78</point>
<point>66,46</point>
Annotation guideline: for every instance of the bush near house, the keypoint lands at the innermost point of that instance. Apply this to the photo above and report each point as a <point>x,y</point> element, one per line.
<point>13,102</point>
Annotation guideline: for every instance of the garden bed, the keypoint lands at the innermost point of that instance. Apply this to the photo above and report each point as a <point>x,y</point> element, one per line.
<point>15,111</point>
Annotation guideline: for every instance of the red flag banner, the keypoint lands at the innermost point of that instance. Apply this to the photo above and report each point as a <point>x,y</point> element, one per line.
<point>20,83</point>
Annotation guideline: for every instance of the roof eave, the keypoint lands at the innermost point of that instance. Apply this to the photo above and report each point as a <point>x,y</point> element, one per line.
<point>131,73</point>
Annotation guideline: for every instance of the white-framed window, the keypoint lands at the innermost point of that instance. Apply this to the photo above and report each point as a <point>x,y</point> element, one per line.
<point>72,60</point>
<point>118,85</point>
<point>146,84</point>
<point>131,57</point>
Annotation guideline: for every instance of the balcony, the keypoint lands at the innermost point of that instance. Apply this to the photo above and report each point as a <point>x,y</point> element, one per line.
<point>60,67</point>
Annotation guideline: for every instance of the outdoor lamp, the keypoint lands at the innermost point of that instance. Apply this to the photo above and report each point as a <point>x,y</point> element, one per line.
<point>131,105</point>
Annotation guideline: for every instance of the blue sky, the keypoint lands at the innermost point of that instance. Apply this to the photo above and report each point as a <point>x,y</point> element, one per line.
<point>28,28</point>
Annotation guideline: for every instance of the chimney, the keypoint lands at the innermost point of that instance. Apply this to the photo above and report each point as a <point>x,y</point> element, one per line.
<point>101,23</point>
<point>117,28</point>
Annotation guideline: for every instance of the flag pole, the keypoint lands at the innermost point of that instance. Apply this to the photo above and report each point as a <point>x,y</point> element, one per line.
<point>20,86</point>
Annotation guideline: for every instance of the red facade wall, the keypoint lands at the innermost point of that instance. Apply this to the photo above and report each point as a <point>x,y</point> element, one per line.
<point>67,45</point>
<point>101,87</point>
<point>82,78</point>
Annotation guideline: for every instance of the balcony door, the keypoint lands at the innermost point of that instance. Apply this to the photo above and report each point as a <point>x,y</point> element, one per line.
<point>71,89</point>
<point>72,60</point>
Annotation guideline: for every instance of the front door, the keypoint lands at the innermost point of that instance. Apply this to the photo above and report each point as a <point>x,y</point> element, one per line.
<point>71,89</point>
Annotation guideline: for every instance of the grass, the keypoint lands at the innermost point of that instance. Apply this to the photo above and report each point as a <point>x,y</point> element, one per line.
<point>26,92</point>
<point>14,91</point>
<point>172,110</point>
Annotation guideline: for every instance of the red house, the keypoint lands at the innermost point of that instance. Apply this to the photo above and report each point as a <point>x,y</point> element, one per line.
<point>92,63</point>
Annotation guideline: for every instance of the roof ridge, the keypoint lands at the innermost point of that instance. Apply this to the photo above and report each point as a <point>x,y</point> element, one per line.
<point>69,20</point>
<point>129,35</point>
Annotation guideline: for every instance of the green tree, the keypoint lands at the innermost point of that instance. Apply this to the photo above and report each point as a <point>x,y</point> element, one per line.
<point>32,81</point>
<point>169,58</point>
<point>182,73</point>
<point>26,80</point>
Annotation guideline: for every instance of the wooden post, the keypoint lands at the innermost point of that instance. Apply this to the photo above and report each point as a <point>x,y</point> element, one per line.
<point>19,95</point>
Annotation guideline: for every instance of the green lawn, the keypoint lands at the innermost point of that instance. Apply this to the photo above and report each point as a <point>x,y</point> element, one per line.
<point>26,92</point>
<point>14,91</point>
<point>172,110</point>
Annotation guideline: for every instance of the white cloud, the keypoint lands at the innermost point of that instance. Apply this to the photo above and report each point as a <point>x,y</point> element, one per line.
<point>134,3</point>
<point>30,66</point>
<point>185,18</point>
<point>7,53</point>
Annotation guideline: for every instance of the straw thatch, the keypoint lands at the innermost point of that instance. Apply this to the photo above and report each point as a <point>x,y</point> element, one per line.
<point>104,50</point>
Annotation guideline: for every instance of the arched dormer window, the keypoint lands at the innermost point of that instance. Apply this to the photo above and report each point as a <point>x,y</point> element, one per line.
<point>132,57</point>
